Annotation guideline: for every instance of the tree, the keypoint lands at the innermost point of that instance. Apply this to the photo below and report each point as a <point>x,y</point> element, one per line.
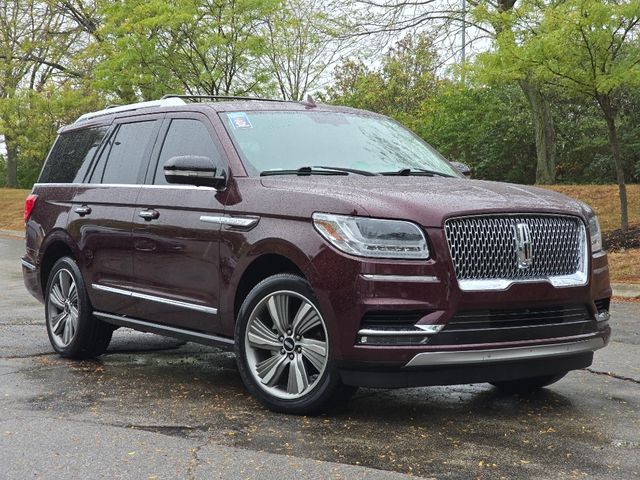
<point>33,41</point>
<point>303,41</point>
<point>486,19</point>
<point>588,49</point>
<point>405,80</point>
<point>208,47</point>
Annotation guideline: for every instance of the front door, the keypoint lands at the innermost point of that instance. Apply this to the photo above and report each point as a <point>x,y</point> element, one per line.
<point>176,244</point>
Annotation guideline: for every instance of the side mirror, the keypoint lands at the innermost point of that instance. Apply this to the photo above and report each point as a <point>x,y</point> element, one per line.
<point>463,168</point>
<point>194,170</point>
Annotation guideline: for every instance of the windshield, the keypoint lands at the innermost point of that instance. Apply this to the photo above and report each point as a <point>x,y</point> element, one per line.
<point>292,140</point>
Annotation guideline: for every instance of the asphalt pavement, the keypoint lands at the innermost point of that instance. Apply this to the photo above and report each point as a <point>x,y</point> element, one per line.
<point>159,408</point>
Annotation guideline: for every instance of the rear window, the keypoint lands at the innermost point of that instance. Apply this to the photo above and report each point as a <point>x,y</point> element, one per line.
<point>71,155</point>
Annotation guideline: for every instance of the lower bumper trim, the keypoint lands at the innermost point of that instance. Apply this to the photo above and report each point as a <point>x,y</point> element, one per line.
<point>463,357</point>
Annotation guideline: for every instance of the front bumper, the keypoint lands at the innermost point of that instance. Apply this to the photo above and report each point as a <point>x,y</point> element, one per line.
<point>431,289</point>
<point>499,355</point>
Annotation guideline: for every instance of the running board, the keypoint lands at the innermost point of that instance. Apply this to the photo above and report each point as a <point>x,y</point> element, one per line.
<point>167,331</point>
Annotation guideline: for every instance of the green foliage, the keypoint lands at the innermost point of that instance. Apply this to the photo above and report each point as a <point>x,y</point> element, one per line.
<point>35,118</point>
<point>405,80</point>
<point>150,48</point>
<point>489,129</point>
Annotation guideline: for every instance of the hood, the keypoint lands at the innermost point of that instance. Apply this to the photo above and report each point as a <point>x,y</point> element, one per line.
<point>428,201</point>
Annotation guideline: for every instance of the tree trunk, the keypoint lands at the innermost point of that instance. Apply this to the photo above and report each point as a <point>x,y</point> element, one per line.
<point>614,143</point>
<point>545,133</point>
<point>12,162</point>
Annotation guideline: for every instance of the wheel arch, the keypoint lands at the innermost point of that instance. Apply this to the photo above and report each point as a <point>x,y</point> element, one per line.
<point>58,244</point>
<point>261,267</point>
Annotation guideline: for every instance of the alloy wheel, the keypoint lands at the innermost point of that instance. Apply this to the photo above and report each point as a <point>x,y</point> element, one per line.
<point>286,344</point>
<point>62,308</point>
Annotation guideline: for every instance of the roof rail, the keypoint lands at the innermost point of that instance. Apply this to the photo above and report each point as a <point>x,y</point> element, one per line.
<point>164,102</point>
<point>221,97</point>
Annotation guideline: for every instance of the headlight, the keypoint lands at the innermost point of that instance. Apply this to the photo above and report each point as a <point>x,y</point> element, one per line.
<point>594,228</point>
<point>595,233</point>
<point>371,237</point>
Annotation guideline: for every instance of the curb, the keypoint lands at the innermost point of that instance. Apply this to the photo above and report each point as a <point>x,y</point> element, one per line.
<point>12,233</point>
<point>626,290</point>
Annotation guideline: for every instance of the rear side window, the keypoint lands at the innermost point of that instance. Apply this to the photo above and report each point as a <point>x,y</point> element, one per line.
<point>186,137</point>
<point>71,155</point>
<point>126,154</point>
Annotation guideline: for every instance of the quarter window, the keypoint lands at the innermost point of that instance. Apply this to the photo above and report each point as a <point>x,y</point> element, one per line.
<point>128,151</point>
<point>71,155</point>
<point>186,137</point>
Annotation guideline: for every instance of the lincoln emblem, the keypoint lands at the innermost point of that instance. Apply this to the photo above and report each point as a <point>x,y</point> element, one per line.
<point>524,245</point>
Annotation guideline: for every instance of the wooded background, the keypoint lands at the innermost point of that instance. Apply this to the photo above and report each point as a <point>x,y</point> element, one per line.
<point>527,91</point>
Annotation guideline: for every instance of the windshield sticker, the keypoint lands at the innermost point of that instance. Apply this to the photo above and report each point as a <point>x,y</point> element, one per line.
<point>239,120</point>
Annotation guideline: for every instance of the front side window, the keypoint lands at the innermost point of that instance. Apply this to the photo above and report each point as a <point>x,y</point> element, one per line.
<point>291,140</point>
<point>127,153</point>
<point>71,155</point>
<point>186,137</point>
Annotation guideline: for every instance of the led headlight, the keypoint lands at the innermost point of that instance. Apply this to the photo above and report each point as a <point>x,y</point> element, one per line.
<point>594,228</point>
<point>595,234</point>
<point>372,237</point>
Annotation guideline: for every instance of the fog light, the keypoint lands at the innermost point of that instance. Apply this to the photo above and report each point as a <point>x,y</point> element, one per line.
<point>603,316</point>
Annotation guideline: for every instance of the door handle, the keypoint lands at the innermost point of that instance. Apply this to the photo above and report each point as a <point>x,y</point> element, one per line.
<point>83,210</point>
<point>149,214</point>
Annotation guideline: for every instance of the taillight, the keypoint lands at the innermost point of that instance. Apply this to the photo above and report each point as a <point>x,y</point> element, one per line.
<point>29,203</point>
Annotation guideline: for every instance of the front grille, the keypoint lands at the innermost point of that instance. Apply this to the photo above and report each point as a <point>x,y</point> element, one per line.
<point>490,326</point>
<point>485,247</point>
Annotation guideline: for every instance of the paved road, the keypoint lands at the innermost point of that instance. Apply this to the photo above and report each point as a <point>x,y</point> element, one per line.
<point>158,408</point>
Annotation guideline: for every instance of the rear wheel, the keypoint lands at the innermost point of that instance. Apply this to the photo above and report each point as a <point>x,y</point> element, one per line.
<point>283,348</point>
<point>73,330</point>
<point>528,384</point>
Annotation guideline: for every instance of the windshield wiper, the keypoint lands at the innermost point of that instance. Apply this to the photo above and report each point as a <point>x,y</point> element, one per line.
<point>349,170</point>
<point>303,172</point>
<point>405,172</point>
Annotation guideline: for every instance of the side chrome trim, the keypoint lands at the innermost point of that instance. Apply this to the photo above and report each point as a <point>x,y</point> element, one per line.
<point>153,298</point>
<point>424,330</point>
<point>400,278</point>
<point>463,357</point>
<point>181,333</point>
<point>188,173</point>
<point>242,222</point>
<point>28,265</point>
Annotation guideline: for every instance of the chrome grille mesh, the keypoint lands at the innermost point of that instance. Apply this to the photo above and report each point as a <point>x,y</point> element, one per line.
<point>484,247</point>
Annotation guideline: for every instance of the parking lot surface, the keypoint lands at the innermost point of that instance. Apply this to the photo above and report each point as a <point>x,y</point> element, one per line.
<point>159,408</point>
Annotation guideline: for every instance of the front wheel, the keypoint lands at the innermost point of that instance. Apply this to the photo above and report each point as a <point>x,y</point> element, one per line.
<point>528,384</point>
<point>283,348</point>
<point>73,330</point>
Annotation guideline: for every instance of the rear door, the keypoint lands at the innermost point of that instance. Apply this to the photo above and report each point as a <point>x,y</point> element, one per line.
<point>103,210</point>
<point>176,246</point>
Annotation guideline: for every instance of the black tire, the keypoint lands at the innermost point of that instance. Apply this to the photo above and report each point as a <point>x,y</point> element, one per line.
<point>89,337</point>
<point>326,386</point>
<point>525,385</point>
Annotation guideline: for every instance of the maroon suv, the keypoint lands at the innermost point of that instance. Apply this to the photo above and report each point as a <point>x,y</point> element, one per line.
<point>329,247</point>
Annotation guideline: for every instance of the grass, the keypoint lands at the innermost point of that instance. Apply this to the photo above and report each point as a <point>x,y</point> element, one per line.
<point>624,264</point>
<point>605,202</point>
<point>12,208</point>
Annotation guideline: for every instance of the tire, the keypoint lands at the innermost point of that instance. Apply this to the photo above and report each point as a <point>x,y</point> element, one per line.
<point>525,385</point>
<point>73,330</point>
<point>283,348</point>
